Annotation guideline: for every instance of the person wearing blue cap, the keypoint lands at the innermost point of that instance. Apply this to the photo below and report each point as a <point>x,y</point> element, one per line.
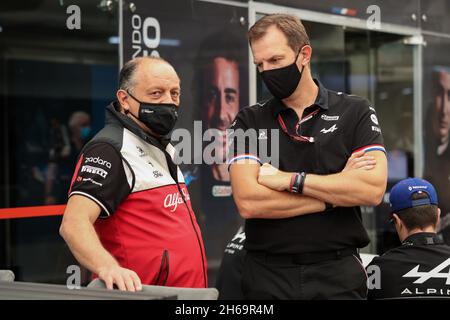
<point>420,266</point>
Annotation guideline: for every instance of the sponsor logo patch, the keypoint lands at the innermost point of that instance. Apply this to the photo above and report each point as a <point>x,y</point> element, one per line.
<point>99,161</point>
<point>172,200</point>
<point>436,273</point>
<point>141,151</point>
<point>374,119</point>
<point>92,181</point>
<point>94,170</point>
<point>157,174</point>
<point>329,118</point>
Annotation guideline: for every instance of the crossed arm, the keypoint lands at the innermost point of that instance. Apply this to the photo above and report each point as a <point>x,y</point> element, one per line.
<point>255,200</point>
<point>262,192</point>
<point>351,187</point>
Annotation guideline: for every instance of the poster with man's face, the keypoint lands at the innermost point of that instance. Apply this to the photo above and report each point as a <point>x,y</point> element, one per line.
<point>441,107</point>
<point>437,126</point>
<point>207,45</point>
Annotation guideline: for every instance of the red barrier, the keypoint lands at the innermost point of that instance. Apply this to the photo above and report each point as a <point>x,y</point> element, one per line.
<point>32,212</point>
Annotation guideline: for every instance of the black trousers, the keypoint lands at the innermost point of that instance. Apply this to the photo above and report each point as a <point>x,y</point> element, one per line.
<point>340,278</point>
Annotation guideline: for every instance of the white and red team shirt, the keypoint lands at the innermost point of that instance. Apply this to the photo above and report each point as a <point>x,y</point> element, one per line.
<point>146,221</point>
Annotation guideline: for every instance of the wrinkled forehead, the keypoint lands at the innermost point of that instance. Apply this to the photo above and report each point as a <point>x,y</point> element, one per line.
<point>157,73</point>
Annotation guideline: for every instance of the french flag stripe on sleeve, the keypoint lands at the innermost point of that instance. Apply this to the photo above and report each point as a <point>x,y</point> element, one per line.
<point>244,156</point>
<point>372,147</point>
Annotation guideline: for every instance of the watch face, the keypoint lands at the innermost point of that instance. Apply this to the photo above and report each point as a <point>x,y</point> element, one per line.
<point>221,191</point>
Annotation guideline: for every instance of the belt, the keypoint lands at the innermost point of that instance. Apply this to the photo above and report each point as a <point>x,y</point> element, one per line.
<point>303,258</point>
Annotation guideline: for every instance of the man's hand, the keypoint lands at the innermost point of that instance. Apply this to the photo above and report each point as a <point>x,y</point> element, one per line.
<point>273,178</point>
<point>360,160</point>
<point>124,279</point>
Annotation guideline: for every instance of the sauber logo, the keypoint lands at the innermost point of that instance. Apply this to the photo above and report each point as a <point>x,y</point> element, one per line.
<point>99,161</point>
<point>435,273</point>
<point>172,200</point>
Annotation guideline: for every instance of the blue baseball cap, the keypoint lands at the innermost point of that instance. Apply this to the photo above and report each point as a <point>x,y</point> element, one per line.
<point>401,194</point>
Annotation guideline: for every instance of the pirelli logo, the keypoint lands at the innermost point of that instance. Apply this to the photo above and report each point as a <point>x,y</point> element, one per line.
<point>94,170</point>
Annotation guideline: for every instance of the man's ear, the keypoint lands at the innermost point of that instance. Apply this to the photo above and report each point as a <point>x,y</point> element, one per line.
<point>123,97</point>
<point>397,221</point>
<point>438,220</point>
<point>305,55</point>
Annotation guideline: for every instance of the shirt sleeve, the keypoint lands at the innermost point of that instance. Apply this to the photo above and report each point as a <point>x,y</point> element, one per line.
<point>100,176</point>
<point>242,141</point>
<point>367,135</point>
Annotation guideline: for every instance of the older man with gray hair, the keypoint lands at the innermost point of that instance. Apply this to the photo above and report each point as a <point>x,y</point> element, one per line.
<point>129,218</point>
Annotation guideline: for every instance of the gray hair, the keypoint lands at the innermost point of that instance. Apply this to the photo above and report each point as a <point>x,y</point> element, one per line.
<point>128,71</point>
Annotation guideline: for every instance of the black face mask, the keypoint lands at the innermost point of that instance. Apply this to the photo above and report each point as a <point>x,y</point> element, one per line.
<point>282,82</point>
<point>159,117</point>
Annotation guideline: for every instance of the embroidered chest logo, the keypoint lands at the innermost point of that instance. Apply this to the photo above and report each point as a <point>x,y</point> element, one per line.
<point>157,174</point>
<point>172,200</point>
<point>141,151</point>
<point>331,129</point>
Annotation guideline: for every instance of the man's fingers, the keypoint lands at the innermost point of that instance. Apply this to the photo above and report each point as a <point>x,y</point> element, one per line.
<point>129,283</point>
<point>364,163</point>
<point>108,282</point>
<point>137,281</point>
<point>358,161</point>
<point>363,158</point>
<point>357,154</point>
<point>118,280</point>
<point>124,279</point>
<point>267,169</point>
